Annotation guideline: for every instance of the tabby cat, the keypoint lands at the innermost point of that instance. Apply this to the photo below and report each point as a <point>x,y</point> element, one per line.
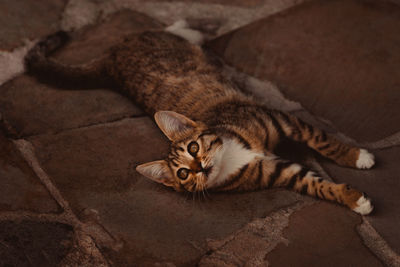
<point>221,139</point>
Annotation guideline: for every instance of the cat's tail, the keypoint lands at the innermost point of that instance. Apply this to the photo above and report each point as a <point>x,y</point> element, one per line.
<point>48,70</point>
<point>45,47</point>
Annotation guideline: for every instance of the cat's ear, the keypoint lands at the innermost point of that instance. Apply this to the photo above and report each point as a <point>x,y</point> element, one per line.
<point>157,171</point>
<point>174,125</point>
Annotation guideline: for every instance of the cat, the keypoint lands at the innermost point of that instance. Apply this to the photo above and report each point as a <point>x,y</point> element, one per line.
<point>221,138</point>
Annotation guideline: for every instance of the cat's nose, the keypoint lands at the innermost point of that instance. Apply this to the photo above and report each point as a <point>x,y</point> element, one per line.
<point>196,166</point>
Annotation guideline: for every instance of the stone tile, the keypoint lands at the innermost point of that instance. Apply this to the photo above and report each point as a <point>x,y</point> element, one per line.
<point>20,188</point>
<point>322,235</point>
<point>92,42</point>
<point>32,108</point>
<point>382,184</point>
<point>340,59</point>
<point>33,244</point>
<point>28,20</point>
<point>94,168</point>
<point>249,245</point>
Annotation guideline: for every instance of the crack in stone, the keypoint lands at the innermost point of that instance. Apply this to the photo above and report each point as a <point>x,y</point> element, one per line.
<point>387,142</point>
<point>86,126</point>
<point>79,13</point>
<point>27,151</point>
<point>84,252</point>
<point>18,216</point>
<point>12,63</point>
<point>231,17</point>
<point>377,244</point>
<point>91,229</point>
<point>260,236</point>
<point>371,238</point>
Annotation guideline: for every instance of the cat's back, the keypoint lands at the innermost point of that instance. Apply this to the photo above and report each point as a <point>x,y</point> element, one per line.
<point>162,71</point>
<point>155,53</point>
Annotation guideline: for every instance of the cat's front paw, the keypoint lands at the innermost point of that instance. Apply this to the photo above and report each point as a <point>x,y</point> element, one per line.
<point>365,160</point>
<point>364,206</point>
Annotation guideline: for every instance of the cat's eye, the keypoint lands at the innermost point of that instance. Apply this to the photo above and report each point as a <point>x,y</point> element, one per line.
<point>183,173</point>
<point>193,148</point>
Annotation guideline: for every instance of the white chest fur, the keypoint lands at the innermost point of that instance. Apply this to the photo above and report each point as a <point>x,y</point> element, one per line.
<point>228,160</point>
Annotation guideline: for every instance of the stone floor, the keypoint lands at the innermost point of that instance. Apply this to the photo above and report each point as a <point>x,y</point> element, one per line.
<point>69,192</point>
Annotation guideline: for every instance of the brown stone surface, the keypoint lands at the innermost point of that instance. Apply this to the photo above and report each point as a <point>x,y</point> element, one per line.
<point>247,3</point>
<point>33,244</point>
<point>94,168</point>
<point>328,55</point>
<point>340,59</point>
<point>249,245</point>
<point>382,184</point>
<point>31,107</point>
<point>27,20</point>
<point>20,188</point>
<point>92,41</point>
<point>322,235</point>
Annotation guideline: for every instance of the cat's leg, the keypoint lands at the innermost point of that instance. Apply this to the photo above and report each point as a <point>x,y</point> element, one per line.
<point>275,172</point>
<point>328,146</point>
<point>181,28</point>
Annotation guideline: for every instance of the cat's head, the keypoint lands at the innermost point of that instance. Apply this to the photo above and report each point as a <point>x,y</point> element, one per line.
<point>194,154</point>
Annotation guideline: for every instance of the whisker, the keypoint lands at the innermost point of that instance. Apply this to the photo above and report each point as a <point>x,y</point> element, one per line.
<point>195,191</point>
<point>202,191</point>
<point>207,193</point>
<point>199,190</point>
<point>198,187</point>
<point>202,187</point>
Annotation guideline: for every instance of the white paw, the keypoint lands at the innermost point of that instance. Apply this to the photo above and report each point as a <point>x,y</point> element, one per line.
<point>365,160</point>
<point>181,28</point>
<point>364,206</point>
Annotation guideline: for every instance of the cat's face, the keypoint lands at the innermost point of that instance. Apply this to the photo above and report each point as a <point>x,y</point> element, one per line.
<point>193,159</point>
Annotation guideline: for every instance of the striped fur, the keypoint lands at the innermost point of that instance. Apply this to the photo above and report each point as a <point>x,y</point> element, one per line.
<point>199,110</point>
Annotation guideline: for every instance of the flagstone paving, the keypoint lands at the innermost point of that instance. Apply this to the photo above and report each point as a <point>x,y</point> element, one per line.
<point>336,244</point>
<point>20,188</point>
<point>34,244</point>
<point>69,192</point>
<point>24,20</point>
<point>33,108</point>
<point>333,57</point>
<point>382,185</point>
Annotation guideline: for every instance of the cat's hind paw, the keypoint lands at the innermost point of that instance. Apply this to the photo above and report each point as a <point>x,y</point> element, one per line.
<point>364,206</point>
<point>365,160</point>
<point>182,29</point>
